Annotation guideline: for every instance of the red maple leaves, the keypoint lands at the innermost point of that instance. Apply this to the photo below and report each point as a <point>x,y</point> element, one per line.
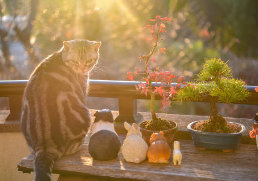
<point>130,76</point>
<point>143,88</point>
<point>162,50</point>
<point>158,27</point>
<point>165,90</point>
<point>159,90</point>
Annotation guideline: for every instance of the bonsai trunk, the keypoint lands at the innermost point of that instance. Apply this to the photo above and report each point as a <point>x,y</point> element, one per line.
<point>216,120</point>
<point>214,110</point>
<point>152,95</point>
<point>153,114</point>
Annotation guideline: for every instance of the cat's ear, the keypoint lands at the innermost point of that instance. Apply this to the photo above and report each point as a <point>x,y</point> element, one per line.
<point>67,46</point>
<point>95,46</point>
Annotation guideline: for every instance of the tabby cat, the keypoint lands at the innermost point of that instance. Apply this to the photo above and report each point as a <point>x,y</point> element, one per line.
<point>54,118</point>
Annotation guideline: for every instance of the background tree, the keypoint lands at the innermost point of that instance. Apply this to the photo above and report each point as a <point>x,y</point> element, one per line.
<point>21,30</point>
<point>200,30</point>
<point>24,33</point>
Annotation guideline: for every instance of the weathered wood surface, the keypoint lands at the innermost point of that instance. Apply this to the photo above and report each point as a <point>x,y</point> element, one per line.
<point>181,120</point>
<point>241,164</point>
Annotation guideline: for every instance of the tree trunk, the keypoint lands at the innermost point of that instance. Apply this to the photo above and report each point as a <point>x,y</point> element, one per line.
<point>24,35</point>
<point>213,107</point>
<point>5,48</point>
<point>216,120</point>
<point>4,37</point>
<point>153,114</point>
<point>152,95</point>
<point>7,69</point>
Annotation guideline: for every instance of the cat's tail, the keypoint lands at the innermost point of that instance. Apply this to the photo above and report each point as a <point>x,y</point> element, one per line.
<point>43,165</point>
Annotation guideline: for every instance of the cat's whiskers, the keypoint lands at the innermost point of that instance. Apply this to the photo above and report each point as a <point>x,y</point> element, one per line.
<point>100,69</point>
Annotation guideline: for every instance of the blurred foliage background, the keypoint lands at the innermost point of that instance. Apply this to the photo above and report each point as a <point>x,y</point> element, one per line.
<point>30,30</point>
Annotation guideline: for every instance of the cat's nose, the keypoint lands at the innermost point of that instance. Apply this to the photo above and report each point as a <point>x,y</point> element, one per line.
<point>81,67</point>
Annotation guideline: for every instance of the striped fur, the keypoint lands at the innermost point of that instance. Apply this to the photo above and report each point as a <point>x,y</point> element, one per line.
<point>54,117</point>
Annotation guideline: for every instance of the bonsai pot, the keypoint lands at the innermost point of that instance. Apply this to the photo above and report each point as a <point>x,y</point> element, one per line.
<point>168,134</point>
<point>219,141</point>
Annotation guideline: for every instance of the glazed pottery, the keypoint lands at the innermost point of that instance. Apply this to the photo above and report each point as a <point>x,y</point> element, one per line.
<point>219,141</point>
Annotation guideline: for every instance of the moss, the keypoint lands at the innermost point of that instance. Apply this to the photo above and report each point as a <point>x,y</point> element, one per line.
<point>209,126</point>
<point>157,125</point>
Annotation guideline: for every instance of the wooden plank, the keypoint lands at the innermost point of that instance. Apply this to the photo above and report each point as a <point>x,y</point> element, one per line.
<point>71,178</point>
<point>240,164</point>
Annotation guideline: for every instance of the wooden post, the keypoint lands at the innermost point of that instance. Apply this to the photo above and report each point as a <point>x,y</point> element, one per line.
<point>15,104</point>
<point>127,112</point>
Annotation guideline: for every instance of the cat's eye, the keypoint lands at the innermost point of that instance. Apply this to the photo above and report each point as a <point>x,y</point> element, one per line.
<point>73,62</point>
<point>89,61</point>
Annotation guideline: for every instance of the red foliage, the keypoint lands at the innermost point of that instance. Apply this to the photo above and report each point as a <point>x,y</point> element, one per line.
<point>159,90</point>
<point>172,91</point>
<point>254,132</point>
<point>68,34</point>
<point>129,76</point>
<point>166,90</point>
<point>137,70</point>
<point>164,103</point>
<point>204,33</point>
<point>162,50</point>
<point>179,80</point>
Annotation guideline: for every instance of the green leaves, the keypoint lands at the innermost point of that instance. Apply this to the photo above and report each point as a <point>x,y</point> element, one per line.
<point>215,81</point>
<point>191,92</point>
<point>214,69</point>
<point>230,90</point>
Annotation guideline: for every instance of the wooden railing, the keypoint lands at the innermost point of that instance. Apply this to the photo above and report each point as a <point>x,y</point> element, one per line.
<point>123,90</point>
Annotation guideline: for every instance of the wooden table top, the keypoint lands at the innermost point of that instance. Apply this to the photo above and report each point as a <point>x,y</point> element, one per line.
<point>241,164</point>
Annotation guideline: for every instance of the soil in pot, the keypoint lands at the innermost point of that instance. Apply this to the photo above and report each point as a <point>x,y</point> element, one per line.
<point>169,129</point>
<point>157,125</point>
<point>207,126</point>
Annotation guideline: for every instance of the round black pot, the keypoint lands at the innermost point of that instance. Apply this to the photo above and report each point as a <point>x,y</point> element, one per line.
<point>218,141</point>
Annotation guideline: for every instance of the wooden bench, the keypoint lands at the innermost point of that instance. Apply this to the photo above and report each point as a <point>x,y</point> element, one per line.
<point>241,164</point>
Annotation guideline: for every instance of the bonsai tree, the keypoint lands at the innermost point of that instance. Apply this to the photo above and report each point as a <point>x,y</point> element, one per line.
<point>165,90</point>
<point>214,83</point>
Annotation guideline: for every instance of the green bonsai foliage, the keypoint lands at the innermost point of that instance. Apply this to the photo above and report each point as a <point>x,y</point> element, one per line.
<point>214,83</point>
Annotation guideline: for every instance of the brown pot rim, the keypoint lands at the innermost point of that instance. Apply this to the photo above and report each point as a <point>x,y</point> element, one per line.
<point>164,131</point>
<point>189,127</point>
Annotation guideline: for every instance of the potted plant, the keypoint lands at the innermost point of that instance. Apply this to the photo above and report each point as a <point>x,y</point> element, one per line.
<point>215,83</point>
<point>150,75</point>
<point>254,132</point>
